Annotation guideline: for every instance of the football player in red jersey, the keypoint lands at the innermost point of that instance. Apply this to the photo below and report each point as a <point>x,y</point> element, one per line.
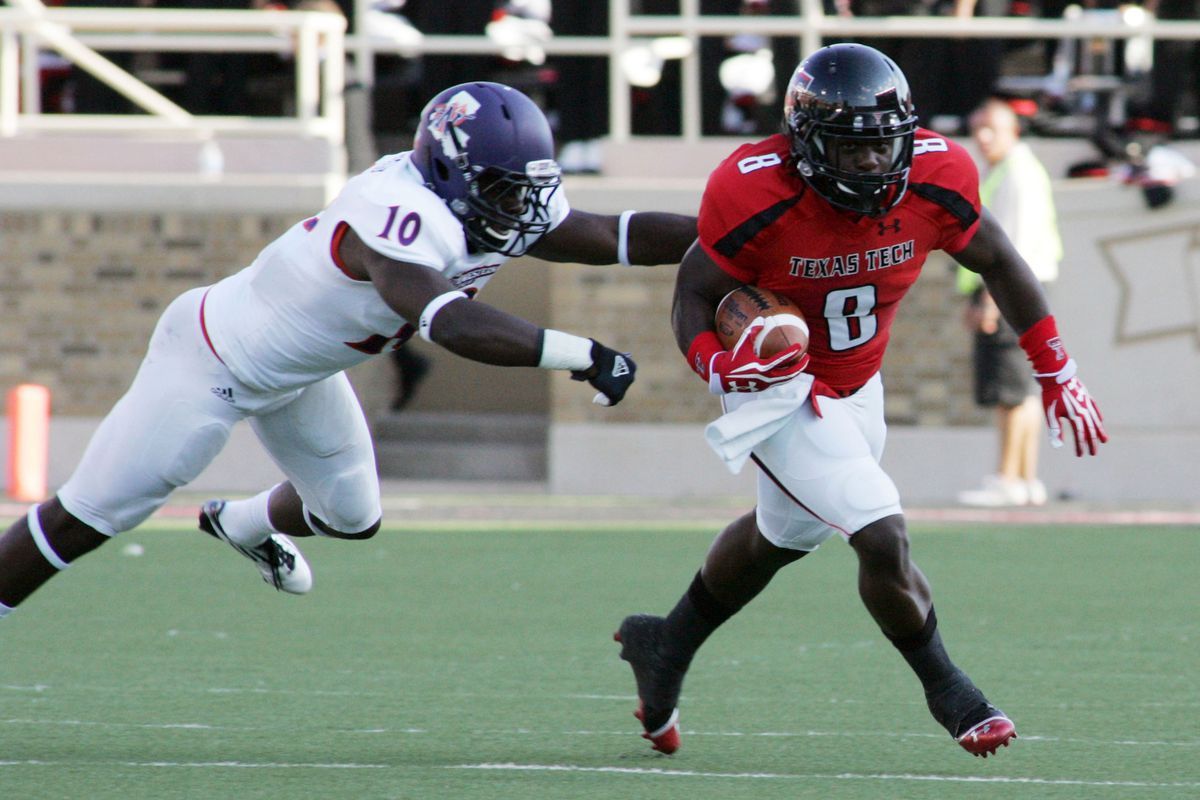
<point>838,213</point>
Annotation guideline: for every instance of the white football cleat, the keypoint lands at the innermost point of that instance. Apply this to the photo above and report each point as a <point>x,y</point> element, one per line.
<point>998,492</point>
<point>277,558</point>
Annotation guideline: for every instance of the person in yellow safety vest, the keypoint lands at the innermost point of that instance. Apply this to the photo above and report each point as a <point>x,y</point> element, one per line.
<point>1016,189</point>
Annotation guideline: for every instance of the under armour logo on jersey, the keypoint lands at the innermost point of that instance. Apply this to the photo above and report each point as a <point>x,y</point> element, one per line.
<point>893,226</point>
<point>620,366</point>
<point>223,392</point>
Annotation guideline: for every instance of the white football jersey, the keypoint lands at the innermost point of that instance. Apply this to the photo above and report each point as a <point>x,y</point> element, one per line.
<point>294,316</point>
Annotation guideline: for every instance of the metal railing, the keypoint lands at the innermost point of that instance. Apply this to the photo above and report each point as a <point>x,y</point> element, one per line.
<point>811,27</point>
<point>317,41</point>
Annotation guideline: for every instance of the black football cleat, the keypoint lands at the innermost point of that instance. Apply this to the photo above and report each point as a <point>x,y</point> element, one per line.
<point>658,681</point>
<point>977,725</point>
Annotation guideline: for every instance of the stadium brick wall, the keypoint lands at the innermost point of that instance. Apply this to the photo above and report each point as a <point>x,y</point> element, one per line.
<point>81,292</point>
<point>927,372</point>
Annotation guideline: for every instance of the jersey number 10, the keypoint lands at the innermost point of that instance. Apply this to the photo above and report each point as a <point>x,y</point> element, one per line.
<point>408,229</point>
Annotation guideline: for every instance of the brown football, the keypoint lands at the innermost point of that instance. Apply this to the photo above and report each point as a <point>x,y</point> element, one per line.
<point>785,325</point>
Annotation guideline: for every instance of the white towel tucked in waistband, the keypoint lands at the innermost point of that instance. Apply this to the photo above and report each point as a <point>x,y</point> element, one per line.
<point>753,418</point>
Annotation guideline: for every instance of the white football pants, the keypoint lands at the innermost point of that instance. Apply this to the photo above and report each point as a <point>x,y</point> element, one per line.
<point>176,417</point>
<point>820,475</point>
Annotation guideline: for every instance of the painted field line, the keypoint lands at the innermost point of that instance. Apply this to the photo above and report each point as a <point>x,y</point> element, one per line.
<point>548,517</point>
<point>192,764</point>
<point>813,734</point>
<point>492,733</point>
<point>189,726</point>
<point>844,776</point>
<point>646,771</point>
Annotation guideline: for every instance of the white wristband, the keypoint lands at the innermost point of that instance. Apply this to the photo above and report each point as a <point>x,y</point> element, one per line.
<point>1063,375</point>
<point>565,351</point>
<point>425,324</point>
<point>623,238</point>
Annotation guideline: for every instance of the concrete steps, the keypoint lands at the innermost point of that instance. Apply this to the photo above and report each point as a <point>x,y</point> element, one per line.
<point>169,171</point>
<point>448,446</point>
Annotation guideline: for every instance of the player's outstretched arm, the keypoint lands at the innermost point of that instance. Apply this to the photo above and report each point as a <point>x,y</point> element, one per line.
<point>481,332</point>
<point>642,238</point>
<point>1023,303</point>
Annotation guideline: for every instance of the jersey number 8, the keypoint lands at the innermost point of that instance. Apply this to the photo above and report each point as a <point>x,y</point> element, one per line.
<point>848,314</point>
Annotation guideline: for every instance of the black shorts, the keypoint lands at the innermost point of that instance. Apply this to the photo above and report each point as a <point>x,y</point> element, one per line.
<point>1003,376</point>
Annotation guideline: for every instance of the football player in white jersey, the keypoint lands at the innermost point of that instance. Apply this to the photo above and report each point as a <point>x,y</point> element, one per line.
<point>401,250</point>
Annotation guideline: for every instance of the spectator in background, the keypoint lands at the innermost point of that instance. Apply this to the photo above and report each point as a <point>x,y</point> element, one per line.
<point>655,109</point>
<point>253,84</point>
<point>402,88</point>
<point>1174,78</point>
<point>951,76</point>
<point>741,109</point>
<point>581,92</point>
<point>1016,189</point>
<point>87,94</point>
<point>205,82</point>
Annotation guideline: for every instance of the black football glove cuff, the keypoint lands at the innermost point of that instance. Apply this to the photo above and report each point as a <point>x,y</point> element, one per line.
<point>611,374</point>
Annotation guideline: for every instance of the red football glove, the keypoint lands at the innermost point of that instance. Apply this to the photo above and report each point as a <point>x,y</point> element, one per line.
<point>739,369</point>
<point>1063,395</point>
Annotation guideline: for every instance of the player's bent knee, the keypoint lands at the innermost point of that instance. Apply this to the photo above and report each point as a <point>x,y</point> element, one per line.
<point>345,505</point>
<point>322,528</point>
<point>883,544</point>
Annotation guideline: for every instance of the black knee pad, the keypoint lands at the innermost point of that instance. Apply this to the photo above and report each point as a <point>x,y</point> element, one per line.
<point>319,527</point>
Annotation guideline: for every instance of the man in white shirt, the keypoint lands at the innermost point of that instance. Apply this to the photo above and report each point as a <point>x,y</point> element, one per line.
<point>1017,190</point>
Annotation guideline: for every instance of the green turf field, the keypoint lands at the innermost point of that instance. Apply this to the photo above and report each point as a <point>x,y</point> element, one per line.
<point>479,664</point>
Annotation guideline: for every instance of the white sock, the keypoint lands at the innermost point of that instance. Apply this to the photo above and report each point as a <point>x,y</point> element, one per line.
<point>246,521</point>
<point>4,611</point>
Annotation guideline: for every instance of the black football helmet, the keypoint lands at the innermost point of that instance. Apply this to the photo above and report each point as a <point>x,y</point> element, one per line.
<point>487,151</point>
<point>850,92</point>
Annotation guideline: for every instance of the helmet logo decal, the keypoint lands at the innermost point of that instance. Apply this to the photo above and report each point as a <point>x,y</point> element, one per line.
<point>446,119</point>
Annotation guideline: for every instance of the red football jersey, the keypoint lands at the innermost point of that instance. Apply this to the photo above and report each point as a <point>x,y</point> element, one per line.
<point>763,225</point>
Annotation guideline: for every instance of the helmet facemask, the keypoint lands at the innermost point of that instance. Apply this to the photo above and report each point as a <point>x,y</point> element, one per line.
<point>816,149</point>
<point>850,96</point>
<point>505,210</point>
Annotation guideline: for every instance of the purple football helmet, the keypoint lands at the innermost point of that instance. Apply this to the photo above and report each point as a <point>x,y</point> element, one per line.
<point>487,151</point>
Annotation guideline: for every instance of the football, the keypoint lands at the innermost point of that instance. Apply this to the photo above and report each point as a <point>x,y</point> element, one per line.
<point>785,325</point>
